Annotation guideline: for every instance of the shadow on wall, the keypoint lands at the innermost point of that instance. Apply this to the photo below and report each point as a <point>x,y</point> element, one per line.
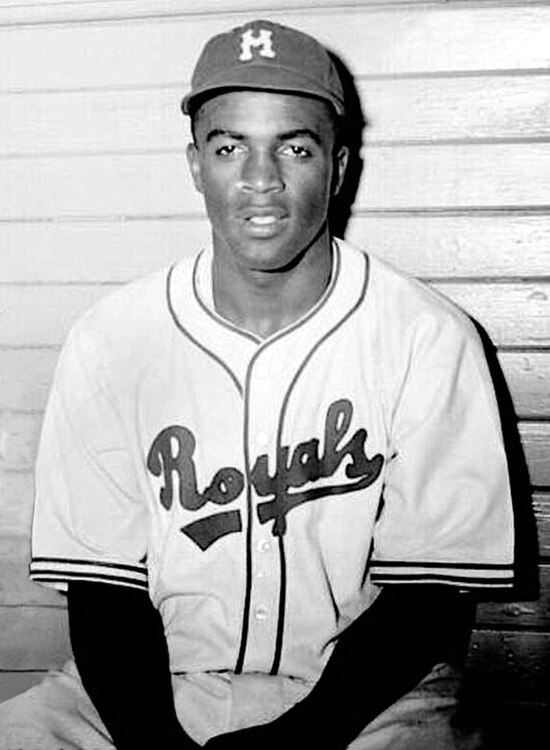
<point>502,728</point>
<point>518,725</point>
<point>354,124</point>
<point>526,551</point>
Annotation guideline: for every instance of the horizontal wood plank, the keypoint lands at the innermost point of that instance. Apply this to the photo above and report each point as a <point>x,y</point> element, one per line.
<point>95,252</point>
<point>25,378</point>
<point>464,246</point>
<point>15,586</point>
<point>533,614</point>
<point>42,315</point>
<point>18,439</point>
<point>14,12</point>
<point>536,443</point>
<point>16,589</point>
<point>433,246</point>
<point>16,501</point>
<point>459,176</point>
<point>16,505</point>
<point>527,376</point>
<point>33,638</point>
<point>508,666</point>
<point>377,41</point>
<point>541,507</point>
<point>158,184</point>
<point>432,109</point>
<point>26,374</point>
<point>513,314</point>
<point>481,106</point>
<point>105,185</point>
<point>14,683</point>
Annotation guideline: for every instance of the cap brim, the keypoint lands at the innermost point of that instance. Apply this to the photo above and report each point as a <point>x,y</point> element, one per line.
<point>259,78</point>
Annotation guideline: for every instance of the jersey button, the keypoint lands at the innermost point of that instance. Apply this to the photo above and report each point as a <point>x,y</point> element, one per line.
<point>262,613</point>
<point>264,545</point>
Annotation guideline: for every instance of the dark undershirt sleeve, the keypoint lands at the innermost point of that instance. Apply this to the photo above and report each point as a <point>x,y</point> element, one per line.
<point>121,654</point>
<point>386,652</point>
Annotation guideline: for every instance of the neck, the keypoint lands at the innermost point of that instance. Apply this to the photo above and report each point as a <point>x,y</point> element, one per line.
<point>264,302</point>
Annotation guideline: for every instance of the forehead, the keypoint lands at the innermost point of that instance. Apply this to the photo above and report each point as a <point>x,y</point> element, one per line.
<point>250,112</point>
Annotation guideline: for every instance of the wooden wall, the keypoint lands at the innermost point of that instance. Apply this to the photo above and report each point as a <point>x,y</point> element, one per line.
<point>94,192</point>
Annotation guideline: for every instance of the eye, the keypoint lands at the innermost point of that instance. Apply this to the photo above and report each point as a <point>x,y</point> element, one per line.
<point>228,149</point>
<point>296,150</point>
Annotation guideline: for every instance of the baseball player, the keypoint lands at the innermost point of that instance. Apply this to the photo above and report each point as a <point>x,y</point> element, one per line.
<point>269,475</point>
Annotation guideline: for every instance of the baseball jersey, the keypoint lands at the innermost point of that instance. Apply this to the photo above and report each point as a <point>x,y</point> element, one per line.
<point>263,490</point>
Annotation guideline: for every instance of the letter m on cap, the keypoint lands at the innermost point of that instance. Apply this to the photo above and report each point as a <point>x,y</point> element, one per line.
<point>260,42</point>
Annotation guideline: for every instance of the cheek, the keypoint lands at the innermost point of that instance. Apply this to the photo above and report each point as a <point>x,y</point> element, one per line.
<point>315,193</point>
<point>216,191</point>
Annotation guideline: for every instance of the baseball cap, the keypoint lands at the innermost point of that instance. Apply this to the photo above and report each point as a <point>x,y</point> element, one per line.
<point>263,55</point>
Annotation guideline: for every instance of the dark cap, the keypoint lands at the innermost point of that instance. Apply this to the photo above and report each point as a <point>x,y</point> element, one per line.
<point>262,55</point>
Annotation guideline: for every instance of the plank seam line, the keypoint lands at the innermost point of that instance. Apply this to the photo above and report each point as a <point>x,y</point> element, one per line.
<point>78,153</point>
<point>483,280</point>
<point>25,606</point>
<point>453,73</point>
<point>370,145</point>
<point>184,84</point>
<point>105,19</point>
<point>524,349</point>
<point>39,413</point>
<point>407,211</point>
<point>403,212</point>
<point>31,347</point>
<point>103,219</point>
<point>4,671</point>
<point>94,16</point>
<point>503,281</point>
<point>57,283</point>
<point>509,628</point>
<point>472,141</point>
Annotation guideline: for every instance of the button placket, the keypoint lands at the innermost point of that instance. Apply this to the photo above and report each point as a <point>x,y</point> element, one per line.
<point>264,406</point>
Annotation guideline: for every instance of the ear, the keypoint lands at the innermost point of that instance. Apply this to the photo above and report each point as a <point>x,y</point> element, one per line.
<point>340,166</point>
<point>193,159</point>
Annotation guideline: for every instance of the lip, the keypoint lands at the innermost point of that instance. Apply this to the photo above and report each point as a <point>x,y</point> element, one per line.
<point>262,212</point>
<point>264,227</point>
<point>263,222</point>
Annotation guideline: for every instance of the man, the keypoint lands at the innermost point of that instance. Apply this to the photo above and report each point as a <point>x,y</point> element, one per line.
<point>269,477</point>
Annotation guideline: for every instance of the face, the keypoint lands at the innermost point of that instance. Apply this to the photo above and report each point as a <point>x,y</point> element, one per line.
<point>267,167</point>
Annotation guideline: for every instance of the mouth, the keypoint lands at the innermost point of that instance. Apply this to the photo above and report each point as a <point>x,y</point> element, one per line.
<point>264,222</point>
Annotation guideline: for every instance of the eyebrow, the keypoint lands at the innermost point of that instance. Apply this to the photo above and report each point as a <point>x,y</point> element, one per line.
<point>220,132</point>
<point>288,135</point>
<point>301,133</point>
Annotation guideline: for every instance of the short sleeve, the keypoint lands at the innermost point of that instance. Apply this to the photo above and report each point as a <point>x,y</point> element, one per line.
<point>90,522</point>
<point>446,515</point>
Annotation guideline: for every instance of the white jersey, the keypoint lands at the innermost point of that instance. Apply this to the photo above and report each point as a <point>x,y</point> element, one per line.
<point>263,490</point>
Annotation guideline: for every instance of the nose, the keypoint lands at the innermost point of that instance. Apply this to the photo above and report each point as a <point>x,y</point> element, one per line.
<point>261,173</point>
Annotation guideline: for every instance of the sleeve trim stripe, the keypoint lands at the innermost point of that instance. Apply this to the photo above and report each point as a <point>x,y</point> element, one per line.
<point>94,563</point>
<point>442,565</point>
<point>52,576</point>
<point>47,578</point>
<point>442,577</point>
<point>65,569</point>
